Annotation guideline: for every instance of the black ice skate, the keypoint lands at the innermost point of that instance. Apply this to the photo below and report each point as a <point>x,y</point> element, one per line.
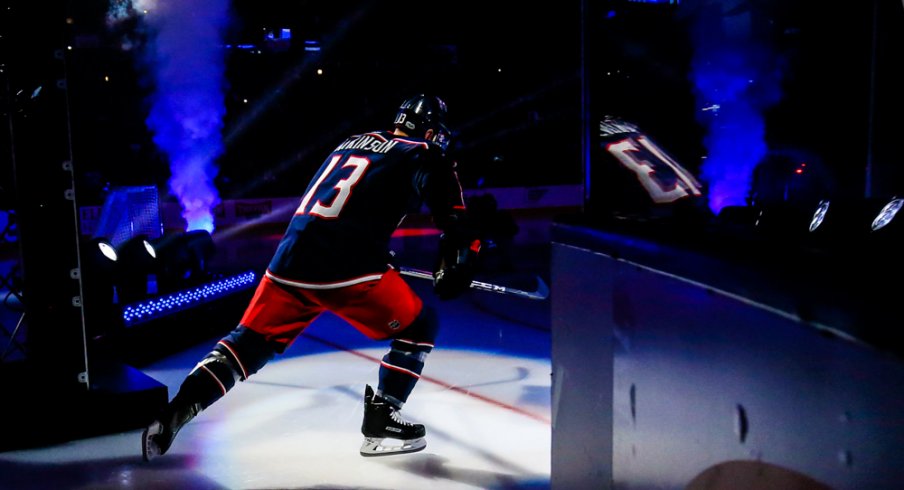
<point>157,437</point>
<point>381,422</point>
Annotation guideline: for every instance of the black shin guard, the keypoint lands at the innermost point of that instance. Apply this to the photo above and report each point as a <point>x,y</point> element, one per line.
<point>402,365</point>
<point>208,381</point>
<point>239,355</point>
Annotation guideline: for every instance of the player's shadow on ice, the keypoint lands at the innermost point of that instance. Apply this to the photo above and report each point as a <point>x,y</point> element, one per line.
<point>436,467</point>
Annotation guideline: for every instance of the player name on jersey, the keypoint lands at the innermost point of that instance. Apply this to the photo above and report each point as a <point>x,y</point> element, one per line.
<point>367,142</point>
<point>611,127</point>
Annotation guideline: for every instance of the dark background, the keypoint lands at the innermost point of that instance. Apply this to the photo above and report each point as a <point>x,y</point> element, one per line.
<point>511,73</point>
<point>518,126</point>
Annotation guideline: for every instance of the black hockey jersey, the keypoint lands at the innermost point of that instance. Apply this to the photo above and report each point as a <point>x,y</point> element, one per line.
<point>341,229</point>
<point>632,177</point>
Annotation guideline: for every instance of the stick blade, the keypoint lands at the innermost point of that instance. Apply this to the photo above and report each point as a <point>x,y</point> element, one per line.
<point>542,291</point>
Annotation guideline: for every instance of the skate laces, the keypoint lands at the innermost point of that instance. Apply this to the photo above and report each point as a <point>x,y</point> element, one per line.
<point>397,418</point>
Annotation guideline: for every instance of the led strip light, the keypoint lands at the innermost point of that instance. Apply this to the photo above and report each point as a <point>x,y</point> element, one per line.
<point>143,311</point>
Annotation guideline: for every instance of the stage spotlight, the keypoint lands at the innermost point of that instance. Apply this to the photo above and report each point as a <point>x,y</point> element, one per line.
<point>819,215</point>
<point>137,253</point>
<point>98,278</point>
<point>834,224</point>
<point>134,270</point>
<point>105,248</point>
<point>99,258</point>
<point>887,214</point>
<point>181,259</point>
<point>848,225</point>
<point>886,235</point>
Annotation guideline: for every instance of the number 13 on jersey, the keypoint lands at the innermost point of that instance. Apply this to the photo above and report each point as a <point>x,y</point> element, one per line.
<point>330,200</point>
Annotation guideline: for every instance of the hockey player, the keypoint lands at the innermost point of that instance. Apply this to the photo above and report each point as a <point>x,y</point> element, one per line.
<point>333,257</point>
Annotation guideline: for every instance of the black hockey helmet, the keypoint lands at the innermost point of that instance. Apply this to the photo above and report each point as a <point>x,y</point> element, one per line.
<point>420,113</point>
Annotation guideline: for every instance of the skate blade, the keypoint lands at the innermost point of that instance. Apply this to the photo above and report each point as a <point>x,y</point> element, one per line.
<point>377,446</point>
<point>149,448</point>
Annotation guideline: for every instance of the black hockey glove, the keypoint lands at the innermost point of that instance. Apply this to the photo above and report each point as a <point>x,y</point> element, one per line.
<point>455,269</point>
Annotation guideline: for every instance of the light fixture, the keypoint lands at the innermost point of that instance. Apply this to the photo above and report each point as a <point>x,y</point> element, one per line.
<point>819,215</point>
<point>143,311</point>
<point>887,214</point>
<point>181,259</point>
<point>105,248</point>
<point>846,226</point>
<point>98,276</point>
<point>886,235</point>
<point>134,269</point>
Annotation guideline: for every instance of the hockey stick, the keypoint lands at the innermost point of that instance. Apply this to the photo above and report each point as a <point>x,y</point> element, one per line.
<point>542,291</point>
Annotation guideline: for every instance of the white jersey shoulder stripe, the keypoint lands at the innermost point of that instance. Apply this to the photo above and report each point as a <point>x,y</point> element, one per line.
<point>323,285</point>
